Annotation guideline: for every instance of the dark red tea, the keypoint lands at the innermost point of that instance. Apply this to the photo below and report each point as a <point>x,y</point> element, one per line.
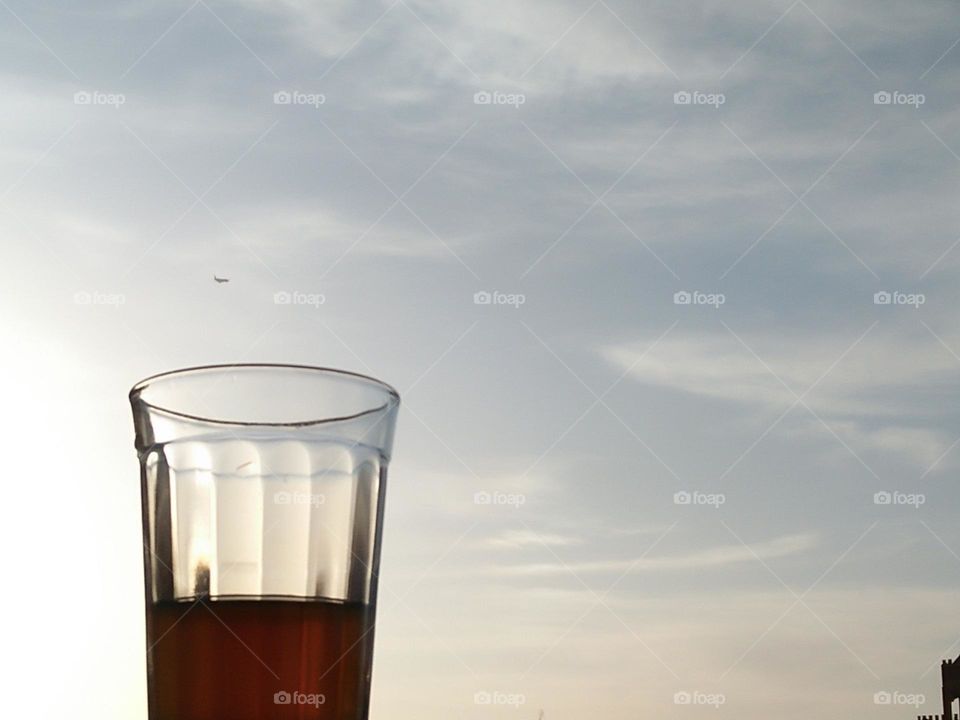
<point>259,660</point>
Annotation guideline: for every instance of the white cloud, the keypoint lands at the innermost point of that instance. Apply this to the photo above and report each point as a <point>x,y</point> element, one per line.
<point>308,227</point>
<point>721,556</point>
<point>496,39</point>
<point>863,397</point>
<point>528,538</point>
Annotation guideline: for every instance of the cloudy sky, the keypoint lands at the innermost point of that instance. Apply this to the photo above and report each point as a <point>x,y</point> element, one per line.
<point>695,511</point>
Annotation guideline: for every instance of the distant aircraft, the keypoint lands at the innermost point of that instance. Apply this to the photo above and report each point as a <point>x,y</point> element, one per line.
<point>220,279</point>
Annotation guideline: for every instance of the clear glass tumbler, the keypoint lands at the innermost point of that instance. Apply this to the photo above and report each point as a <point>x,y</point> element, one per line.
<point>263,492</point>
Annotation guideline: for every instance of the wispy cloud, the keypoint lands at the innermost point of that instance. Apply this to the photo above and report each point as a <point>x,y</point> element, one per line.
<point>515,539</point>
<point>717,557</point>
<point>716,365</point>
<point>869,396</point>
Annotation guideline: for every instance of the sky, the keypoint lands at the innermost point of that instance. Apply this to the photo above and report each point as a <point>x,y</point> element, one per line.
<point>672,284</point>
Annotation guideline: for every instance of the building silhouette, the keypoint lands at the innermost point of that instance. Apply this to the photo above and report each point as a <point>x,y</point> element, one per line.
<point>950,681</point>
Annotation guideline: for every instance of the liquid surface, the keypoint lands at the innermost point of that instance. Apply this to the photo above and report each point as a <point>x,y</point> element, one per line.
<point>259,660</point>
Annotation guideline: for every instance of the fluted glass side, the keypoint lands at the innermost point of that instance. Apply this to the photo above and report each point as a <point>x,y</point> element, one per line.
<point>262,517</point>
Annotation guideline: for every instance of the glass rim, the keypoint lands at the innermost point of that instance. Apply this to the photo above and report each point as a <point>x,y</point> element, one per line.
<point>391,393</point>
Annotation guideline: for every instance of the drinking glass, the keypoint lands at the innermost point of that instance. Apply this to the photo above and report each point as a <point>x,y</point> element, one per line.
<point>262,498</point>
